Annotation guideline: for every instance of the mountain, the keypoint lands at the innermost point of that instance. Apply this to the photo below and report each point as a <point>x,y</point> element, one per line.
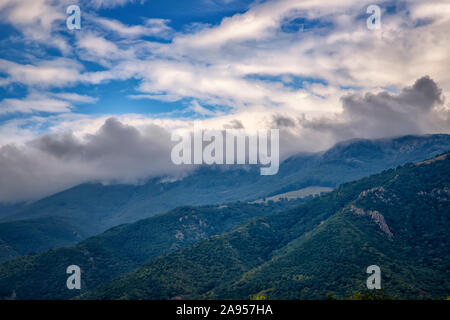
<point>92,208</point>
<point>19,238</point>
<point>123,248</point>
<point>8,209</point>
<point>397,220</point>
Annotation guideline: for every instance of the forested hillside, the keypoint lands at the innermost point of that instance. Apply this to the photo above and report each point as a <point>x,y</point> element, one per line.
<point>123,248</point>
<point>89,209</point>
<point>398,220</point>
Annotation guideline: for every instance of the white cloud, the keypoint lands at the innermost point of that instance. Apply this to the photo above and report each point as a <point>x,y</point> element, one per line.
<point>221,64</point>
<point>38,20</point>
<point>151,27</point>
<point>75,97</point>
<point>43,102</point>
<point>98,49</point>
<point>111,3</point>
<point>218,59</point>
<point>57,72</point>
<point>198,109</point>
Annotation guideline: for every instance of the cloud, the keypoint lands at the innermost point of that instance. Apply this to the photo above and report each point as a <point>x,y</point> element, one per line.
<point>95,48</point>
<point>280,121</point>
<point>415,110</point>
<point>53,162</point>
<point>198,109</point>
<point>151,27</point>
<point>333,80</point>
<point>111,3</point>
<point>75,97</point>
<point>236,63</point>
<point>220,59</point>
<point>57,72</point>
<point>42,21</point>
<point>43,102</point>
<point>134,148</point>
<point>37,20</point>
<point>234,124</point>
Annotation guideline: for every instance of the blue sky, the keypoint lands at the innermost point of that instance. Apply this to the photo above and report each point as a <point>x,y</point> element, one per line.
<point>111,97</point>
<point>313,69</point>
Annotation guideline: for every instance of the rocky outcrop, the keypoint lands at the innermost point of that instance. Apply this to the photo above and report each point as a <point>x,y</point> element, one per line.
<point>376,216</point>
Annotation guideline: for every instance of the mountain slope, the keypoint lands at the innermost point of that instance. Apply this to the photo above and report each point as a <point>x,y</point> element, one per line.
<point>398,219</point>
<point>9,209</point>
<point>90,209</point>
<point>35,235</point>
<point>122,249</point>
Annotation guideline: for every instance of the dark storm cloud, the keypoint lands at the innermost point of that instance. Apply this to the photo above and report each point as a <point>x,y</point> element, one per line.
<point>412,111</point>
<point>113,139</point>
<point>283,121</point>
<point>234,124</point>
<point>117,152</point>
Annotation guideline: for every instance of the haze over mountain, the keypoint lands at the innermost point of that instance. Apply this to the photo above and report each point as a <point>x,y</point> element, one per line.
<point>77,213</point>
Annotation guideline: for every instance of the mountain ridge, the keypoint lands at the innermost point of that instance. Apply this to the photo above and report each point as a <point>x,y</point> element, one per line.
<point>122,248</point>
<point>281,257</point>
<point>90,209</point>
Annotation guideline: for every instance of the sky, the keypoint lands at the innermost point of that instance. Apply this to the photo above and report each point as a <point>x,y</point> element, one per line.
<point>99,103</point>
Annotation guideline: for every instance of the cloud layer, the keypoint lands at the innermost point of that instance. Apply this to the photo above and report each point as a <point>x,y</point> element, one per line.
<point>53,162</point>
<point>310,68</point>
<point>123,153</point>
<point>415,110</point>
